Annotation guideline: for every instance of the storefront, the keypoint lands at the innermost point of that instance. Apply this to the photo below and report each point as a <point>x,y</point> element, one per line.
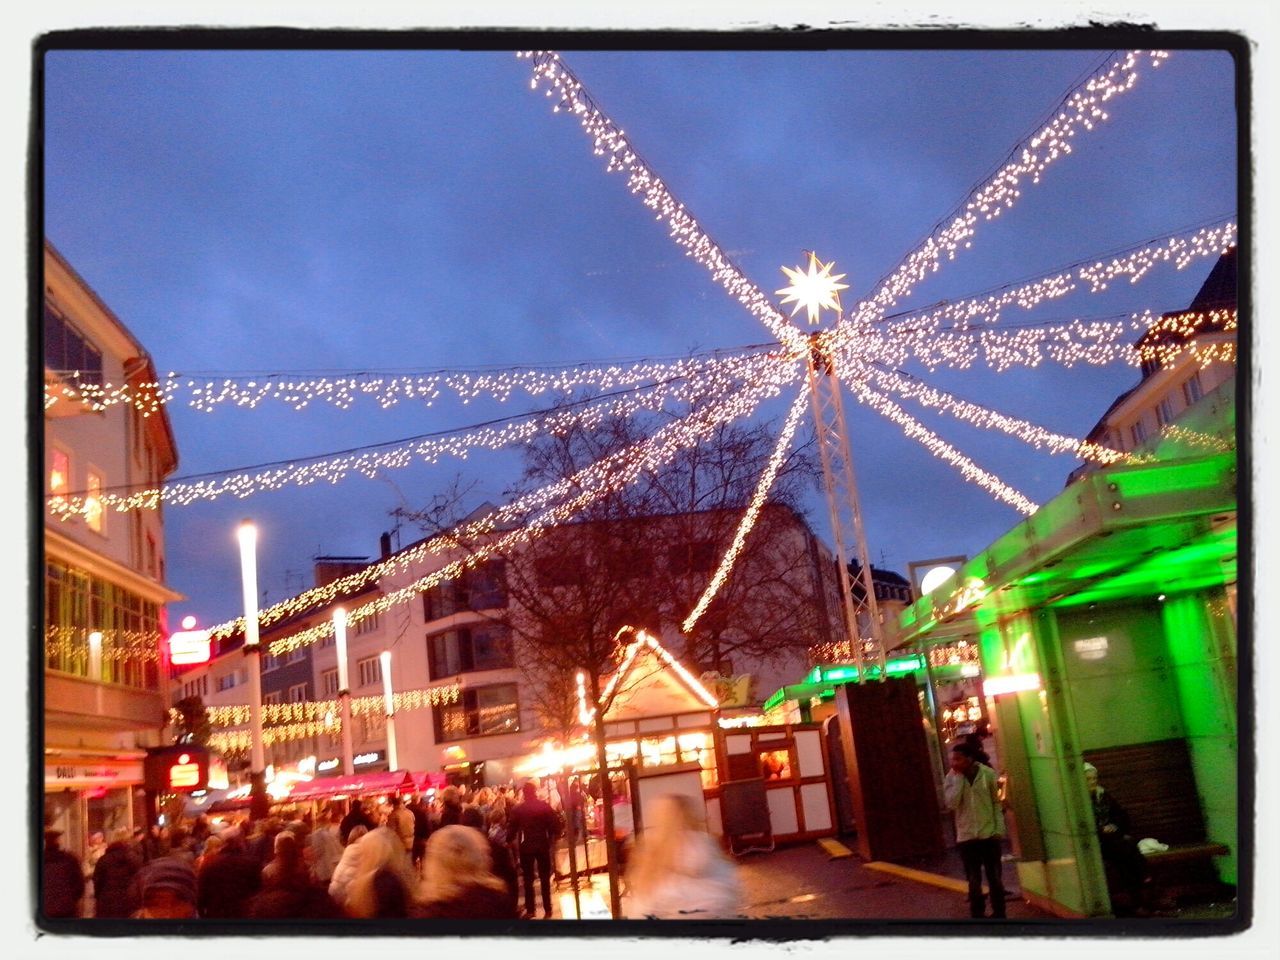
<point>92,792</point>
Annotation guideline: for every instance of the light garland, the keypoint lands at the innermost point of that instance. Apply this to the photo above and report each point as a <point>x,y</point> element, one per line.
<point>1080,109</point>
<point>429,450</point>
<point>749,518</point>
<point>979,416</point>
<point>344,391</point>
<point>597,480</point>
<point>641,641</point>
<point>942,450</point>
<point>116,644</point>
<point>327,711</point>
<point>610,140</point>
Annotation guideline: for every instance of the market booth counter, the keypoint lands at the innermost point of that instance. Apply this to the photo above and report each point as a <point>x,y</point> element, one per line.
<point>1106,623</point>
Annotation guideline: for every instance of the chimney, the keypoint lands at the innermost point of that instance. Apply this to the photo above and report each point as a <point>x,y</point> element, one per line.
<point>386,545</point>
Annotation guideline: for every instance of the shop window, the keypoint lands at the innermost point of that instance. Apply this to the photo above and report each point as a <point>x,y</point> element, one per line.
<point>479,712</point>
<point>480,647</point>
<point>776,764</point>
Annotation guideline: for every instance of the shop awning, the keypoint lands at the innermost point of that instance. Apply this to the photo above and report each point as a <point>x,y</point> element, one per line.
<point>395,781</point>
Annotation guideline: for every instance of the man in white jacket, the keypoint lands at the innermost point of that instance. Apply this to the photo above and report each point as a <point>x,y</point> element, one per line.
<point>972,793</point>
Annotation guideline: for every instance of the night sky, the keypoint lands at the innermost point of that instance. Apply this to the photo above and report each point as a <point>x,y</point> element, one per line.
<point>395,211</point>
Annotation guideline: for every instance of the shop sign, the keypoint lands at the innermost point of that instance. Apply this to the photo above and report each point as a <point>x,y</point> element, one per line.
<point>189,646</point>
<point>364,759</point>
<point>183,767</point>
<point>91,774</point>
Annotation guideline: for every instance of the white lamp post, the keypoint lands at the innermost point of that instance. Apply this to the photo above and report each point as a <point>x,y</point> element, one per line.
<point>95,656</point>
<point>248,535</point>
<point>344,689</point>
<point>388,702</point>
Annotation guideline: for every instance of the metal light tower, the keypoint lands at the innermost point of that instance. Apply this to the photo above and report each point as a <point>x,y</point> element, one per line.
<point>816,290</point>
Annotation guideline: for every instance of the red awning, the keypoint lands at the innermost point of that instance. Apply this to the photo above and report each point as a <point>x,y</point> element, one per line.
<point>396,781</point>
<point>427,780</point>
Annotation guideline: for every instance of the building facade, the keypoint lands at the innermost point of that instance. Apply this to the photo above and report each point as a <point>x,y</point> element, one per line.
<point>104,572</point>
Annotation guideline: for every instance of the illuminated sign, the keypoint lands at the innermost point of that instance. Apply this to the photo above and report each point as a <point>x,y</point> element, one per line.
<point>1091,648</point>
<point>330,764</point>
<point>184,773</point>
<point>361,759</point>
<point>189,646</point>
<point>994,686</point>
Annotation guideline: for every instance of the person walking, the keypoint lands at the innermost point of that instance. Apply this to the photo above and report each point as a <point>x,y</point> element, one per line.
<point>400,819</point>
<point>63,879</point>
<point>112,876</point>
<point>972,794</point>
<point>678,871</point>
<point>535,827</point>
<point>459,882</point>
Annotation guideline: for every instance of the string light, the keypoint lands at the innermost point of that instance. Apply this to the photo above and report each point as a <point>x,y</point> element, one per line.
<point>641,641</point>
<point>611,141</point>
<point>718,379</point>
<point>980,416</point>
<point>327,711</point>
<point>941,449</point>
<point>749,518</point>
<point>607,475</point>
<point>1080,110</point>
<point>343,392</point>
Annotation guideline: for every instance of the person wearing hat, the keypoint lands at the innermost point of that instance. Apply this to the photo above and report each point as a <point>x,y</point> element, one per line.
<point>1127,871</point>
<point>62,878</point>
<point>167,890</point>
<point>112,877</point>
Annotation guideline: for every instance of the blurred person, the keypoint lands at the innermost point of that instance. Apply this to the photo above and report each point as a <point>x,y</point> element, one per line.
<point>227,878</point>
<point>364,895</point>
<point>324,851</point>
<point>287,867</point>
<point>292,903</point>
<point>113,876</point>
<point>458,880</point>
<point>972,793</point>
<point>1127,873</point>
<point>356,816</point>
<point>166,890</point>
<point>421,829</point>
<point>500,861</point>
<point>400,819</point>
<point>62,878</point>
<point>345,871</point>
<point>96,848</point>
<point>450,806</point>
<point>180,845</point>
<point>535,827</point>
<point>678,870</point>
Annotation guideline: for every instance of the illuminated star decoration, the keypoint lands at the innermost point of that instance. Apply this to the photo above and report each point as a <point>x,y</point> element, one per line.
<point>816,290</point>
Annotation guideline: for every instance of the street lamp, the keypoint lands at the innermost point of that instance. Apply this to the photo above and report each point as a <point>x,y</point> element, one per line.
<point>95,656</point>
<point>258,802</point>
<point>344,689</point>
<point>388,702</point>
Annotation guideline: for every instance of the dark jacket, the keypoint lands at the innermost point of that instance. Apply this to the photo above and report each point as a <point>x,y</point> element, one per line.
<point>1107,812</point>
<point>534,825</point>
<point>475,902</point>
<point>112,876</point>
<point>63,884</point>
<point>225,884</point>
<point>353,817</point>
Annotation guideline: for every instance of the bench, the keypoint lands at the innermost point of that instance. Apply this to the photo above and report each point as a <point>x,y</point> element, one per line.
<point>1156,785</point>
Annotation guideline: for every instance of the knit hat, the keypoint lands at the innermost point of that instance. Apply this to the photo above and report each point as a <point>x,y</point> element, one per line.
<point>168,873</point>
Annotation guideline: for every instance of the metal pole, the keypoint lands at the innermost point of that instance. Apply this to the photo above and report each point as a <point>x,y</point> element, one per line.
<point>344,692</point>
<point>388,700</point>
<point>258,802</point>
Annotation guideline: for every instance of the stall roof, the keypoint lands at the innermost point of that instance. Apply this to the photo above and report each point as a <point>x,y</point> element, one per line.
<point>380,782</point>
<point>1123,532</point>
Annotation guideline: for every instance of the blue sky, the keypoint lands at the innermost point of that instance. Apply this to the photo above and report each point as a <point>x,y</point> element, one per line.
<point>271,211</point>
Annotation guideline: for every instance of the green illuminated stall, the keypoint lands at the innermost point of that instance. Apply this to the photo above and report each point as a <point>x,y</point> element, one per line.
<point>1105,621</point>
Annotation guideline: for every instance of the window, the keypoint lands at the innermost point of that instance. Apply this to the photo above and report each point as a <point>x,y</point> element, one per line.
<point>272,697</point>
<point>93,512</point>
<point>68,351</point>
<point>1139,433</point>
<point>479,712</point>
<point>296,655</point>
<point>59,476</point>
<point>329,682</point>
<point>270,662</point>
<point>1164,412</point>
<point>373,726</point>
<point>369,671</point>
<point>225,682</point>
<point>327,640</point>
<point>368,624</point>
<point>1192,390</point>
<point>297,693</point>
<point>697,556</point>
<point>484,588</point>
<point>480,647</point>
<point>198,687</point>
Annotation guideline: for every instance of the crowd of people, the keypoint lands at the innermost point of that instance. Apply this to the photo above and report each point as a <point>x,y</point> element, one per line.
<point>456,854</point>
